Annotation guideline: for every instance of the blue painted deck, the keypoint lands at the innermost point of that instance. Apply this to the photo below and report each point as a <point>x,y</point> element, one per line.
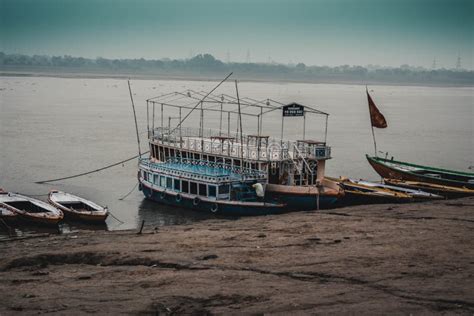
<point>204,169</point>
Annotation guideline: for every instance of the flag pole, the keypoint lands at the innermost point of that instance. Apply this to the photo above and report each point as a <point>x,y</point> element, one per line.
<point>371,125</point>
<point>375,143</point>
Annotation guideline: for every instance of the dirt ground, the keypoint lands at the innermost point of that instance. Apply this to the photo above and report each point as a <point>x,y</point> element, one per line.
<point>398,259</point>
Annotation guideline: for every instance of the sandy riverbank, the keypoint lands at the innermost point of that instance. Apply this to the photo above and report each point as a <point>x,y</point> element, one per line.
<point>413,258</point>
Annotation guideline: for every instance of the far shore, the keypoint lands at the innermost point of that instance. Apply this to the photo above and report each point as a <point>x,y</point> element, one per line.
<point>80,73</point>
<point>406,259</point>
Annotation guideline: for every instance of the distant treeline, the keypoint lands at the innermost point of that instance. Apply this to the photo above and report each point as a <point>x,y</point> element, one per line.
<point>206,65</point>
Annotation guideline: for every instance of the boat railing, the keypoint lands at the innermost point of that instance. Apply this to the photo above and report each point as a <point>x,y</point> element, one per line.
<point>313,150</point>
<point>165,133</point>
<point>308,168</point>
<point>244,174</point>
<point>211,141</point>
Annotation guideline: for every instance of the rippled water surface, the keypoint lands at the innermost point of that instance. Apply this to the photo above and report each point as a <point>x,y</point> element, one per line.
<point>54,127</point>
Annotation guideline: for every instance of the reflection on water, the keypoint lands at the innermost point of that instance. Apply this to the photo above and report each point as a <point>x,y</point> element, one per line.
<point>155,214</point>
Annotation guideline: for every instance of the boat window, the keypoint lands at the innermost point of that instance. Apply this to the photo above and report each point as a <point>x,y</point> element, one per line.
<point>156,179</point>
<point>169,183</point>
<point>224,189</point>
<point>177,184</point>
<point>202,189</point>
<point>212,190</point>
<point>163,181</point>
<point>193,187</point>
<point>185,186</point>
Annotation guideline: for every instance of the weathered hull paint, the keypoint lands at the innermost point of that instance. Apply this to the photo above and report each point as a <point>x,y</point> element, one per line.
<point>238,209</point>
<point>305,197</point>
<point>391,173</point>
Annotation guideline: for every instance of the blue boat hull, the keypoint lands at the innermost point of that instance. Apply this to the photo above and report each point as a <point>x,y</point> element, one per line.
<point>293,203</point>
<point>171,199</point>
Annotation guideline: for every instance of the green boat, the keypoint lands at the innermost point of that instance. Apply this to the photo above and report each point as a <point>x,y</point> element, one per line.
<point>393,169</point>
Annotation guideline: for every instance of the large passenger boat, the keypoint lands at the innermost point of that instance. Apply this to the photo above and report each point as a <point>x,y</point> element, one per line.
<point>291,171</point>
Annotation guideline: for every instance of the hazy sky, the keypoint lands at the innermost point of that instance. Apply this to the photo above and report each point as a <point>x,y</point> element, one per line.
<point>317,32</point>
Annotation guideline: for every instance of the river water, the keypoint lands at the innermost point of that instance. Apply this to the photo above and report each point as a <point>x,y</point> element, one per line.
<point>54,127</point>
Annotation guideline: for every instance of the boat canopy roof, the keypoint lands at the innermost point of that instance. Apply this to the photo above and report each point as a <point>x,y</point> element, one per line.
<point>213,102</point>
<point>173,109</point>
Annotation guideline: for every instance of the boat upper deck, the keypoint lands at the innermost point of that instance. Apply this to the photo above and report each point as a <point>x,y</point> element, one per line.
<point>203,170</point>
<point>258,148</point>
<point>222,110</point>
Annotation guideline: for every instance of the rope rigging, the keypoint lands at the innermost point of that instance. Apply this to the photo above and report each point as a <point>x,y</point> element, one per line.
<point>92,171</point>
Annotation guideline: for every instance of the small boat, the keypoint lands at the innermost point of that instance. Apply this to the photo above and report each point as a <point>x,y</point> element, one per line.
<point>392,169</point>
<point>7,216</point>
<point>357,193</point>
<point>77,207</point>
<point>416,194</point>
<point>443,190</point>
<point>30,209</point>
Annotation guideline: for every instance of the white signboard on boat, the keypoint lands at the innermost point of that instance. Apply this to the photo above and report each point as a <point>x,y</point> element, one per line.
<point>293,109</point>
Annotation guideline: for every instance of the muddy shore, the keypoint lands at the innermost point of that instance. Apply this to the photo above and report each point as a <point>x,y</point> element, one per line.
<point>378,259</point>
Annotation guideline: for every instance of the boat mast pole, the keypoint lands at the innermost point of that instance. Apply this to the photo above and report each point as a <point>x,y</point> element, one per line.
<point>304,125</point>
<point>148,118</point>
<point>161,117</point>
<point>201,133</point>
<point>180,133</point>
<point>220,121</point>
<point>135,117</point>
<point>371,125</point>
<point>241,136</point>
<point>375,143</point>
<point>326,130</point>
<point>153,122</point>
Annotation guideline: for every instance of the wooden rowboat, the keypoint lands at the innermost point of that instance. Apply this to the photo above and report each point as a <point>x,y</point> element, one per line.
<point>30,209</point>
<point>7,215</point>
<point>444,190</point>
<point>356,193</point>
<point>78,208</point>
<point>392,169</point>
<point>416,194</point>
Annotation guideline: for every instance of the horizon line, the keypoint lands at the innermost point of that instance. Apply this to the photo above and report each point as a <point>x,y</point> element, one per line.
<point>271,62</point>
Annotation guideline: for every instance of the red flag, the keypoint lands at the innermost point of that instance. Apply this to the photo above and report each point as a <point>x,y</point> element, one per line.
<point>376,118</point>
